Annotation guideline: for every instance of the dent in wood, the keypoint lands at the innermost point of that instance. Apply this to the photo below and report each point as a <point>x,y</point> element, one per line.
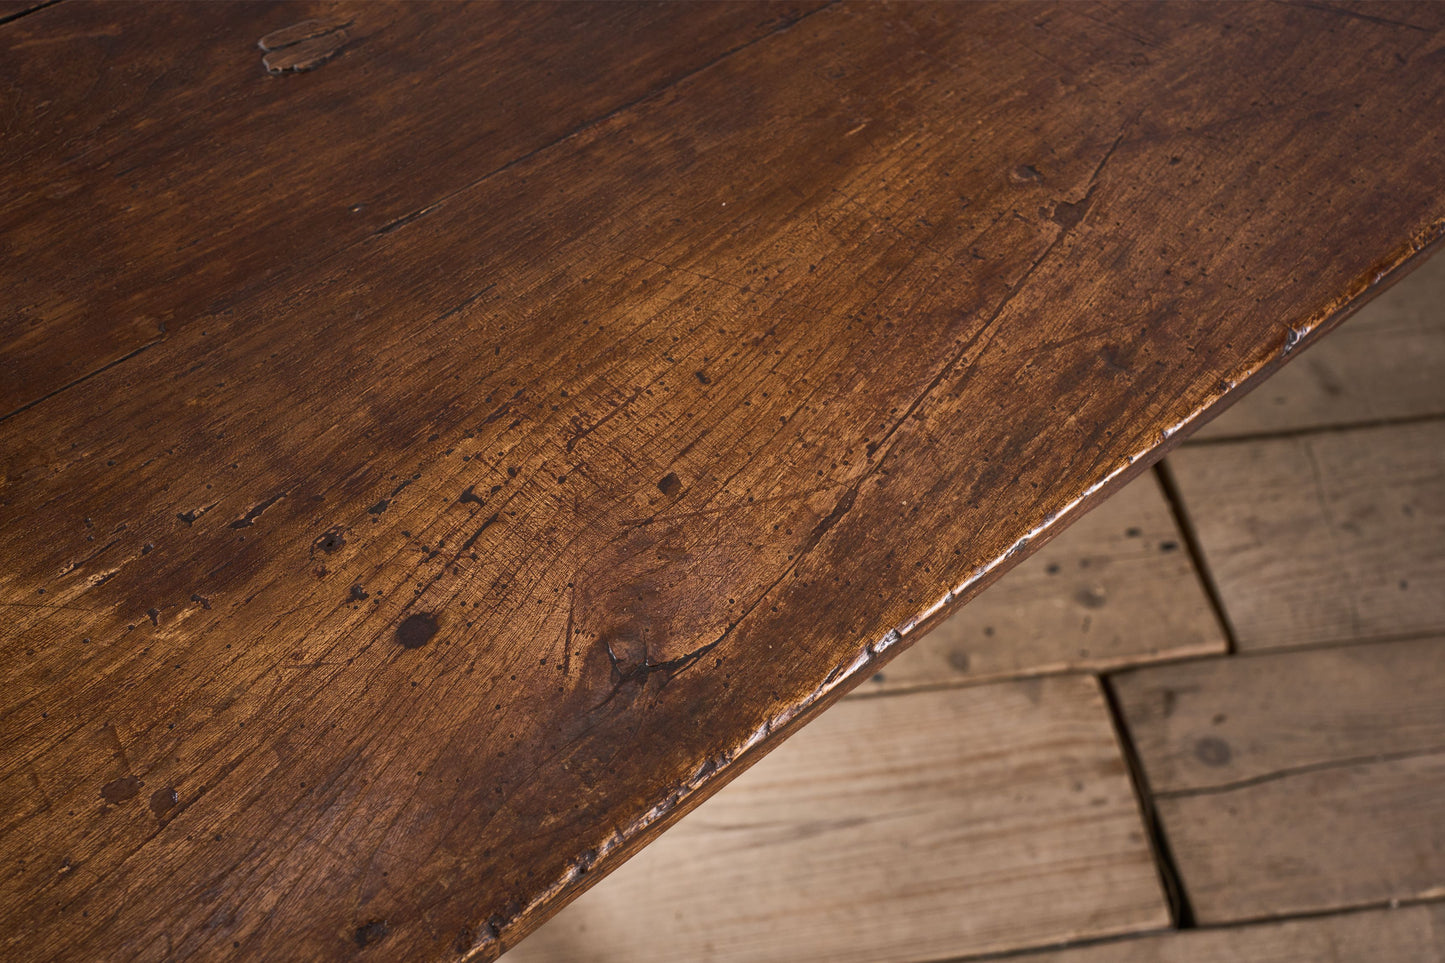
<point>303,46</point>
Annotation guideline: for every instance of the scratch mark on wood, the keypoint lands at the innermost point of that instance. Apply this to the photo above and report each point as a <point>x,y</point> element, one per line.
<point>567,640</point>
<point>1341,11</point>
<point>190,517</point>
<point>249,519</point>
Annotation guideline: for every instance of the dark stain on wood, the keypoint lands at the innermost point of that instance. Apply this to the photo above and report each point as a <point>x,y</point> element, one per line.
<point>1025,174</point>
<point>121,790</point>
<point>371,932</point>
<point>163,801</point>
<point>416,630</point>
<point>329,541</point>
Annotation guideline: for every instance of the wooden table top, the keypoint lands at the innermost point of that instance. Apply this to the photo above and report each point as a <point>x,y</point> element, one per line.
<point>441,445</point>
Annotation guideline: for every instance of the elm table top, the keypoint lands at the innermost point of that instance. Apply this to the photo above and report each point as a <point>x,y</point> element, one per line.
<point>443,444</point>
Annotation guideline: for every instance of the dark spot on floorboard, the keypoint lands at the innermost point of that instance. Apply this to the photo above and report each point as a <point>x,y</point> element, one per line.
<point>1212,751</point>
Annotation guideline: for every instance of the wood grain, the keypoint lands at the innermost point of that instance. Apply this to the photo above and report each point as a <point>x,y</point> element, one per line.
<point>398,591</point>
<point>917,827</point>
<point>1299,781</point>
<point>1323,538</point>
<point>1117,588</point>
<point>1414,933</point>
<point>154,174</point>
<point>1387,363</point>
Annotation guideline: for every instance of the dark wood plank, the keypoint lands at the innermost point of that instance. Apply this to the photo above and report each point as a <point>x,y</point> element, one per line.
<point>1330,537</point>
<point>1298,781</point>
<point>1386,364</point>
<point>925,826</point>
<point>154,172</point>
<point>1116,589</point>
<point>1413,933</point>
<point>387,604</point>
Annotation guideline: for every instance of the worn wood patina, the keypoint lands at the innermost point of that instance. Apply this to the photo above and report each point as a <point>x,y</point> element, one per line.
<point>441,445</point>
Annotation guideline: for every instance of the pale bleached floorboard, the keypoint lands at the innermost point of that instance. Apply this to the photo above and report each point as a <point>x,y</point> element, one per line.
<point>919,827</point>
<point>1387,362</point>
<point>1312,841</point>
<point>1218,722</point>
<point>1412,934</point>
<point>1326,537</point>
<point>1117,588</point>
<point>1297,782</point>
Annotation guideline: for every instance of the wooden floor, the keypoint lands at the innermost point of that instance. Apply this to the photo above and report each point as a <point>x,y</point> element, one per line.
<point>1206,723</point>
